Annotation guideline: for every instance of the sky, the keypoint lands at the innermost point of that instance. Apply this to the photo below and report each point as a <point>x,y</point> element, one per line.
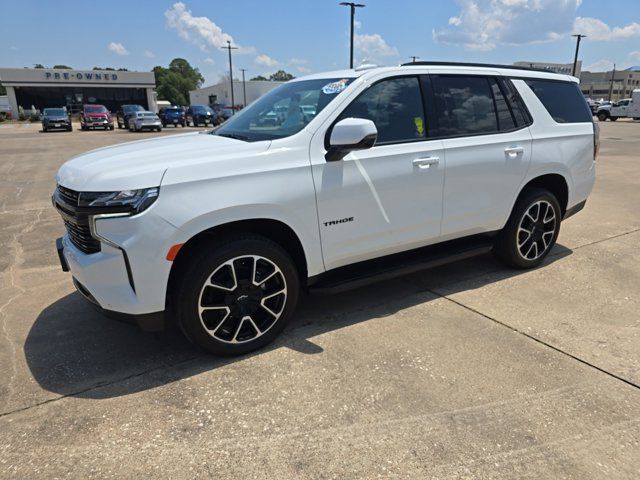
<point>304,36</point>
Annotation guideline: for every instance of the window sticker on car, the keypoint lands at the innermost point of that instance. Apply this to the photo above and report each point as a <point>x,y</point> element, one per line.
<point>419,125</point>
<point>335,87</point>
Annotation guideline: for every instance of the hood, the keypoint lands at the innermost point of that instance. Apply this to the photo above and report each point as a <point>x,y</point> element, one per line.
<point>142,164</point>
<point>97,114</point>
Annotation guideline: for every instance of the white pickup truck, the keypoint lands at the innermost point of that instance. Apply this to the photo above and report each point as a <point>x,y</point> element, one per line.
<point>626,108</point>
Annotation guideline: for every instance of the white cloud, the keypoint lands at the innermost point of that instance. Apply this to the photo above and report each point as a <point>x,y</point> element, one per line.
<point>372,47</point>
<point>200,31</point>
<point>209,61</point>
<point>634,55</point>
<point>266,61</point>
<point>298,61</point>
<point>302,69</point>
<point>118,48</point>
<point>596,29</point>
<point>149,54</point>
<point>484,24</point>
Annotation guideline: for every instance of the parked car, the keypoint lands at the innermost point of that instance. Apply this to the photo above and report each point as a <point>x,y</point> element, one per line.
<point>55,118</point>
<point>124,114</point>
<point>144,121</point>
<point>220,231</point>
<point>95,116</point>
<point>200,115</point>
<point>223,114</point>
<point>625,108</point>
<point>172,116</point>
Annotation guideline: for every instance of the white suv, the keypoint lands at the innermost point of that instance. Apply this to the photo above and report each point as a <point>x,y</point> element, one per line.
<point>323,184</point>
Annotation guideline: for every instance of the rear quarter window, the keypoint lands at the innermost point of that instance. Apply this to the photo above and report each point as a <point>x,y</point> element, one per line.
<point>563,100</point>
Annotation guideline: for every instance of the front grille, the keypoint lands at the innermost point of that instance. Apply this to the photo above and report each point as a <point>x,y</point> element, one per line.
<point>80,236</point>
<point>77,224</point>
<point>68,196</point>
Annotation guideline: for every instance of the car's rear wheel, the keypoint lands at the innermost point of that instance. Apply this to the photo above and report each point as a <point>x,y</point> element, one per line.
<point>602,116</point>
<point>237,295</point>
<point>613,119</point>
<point>531,231</point>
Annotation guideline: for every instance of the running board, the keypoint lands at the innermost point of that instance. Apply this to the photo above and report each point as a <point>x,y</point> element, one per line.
<point>364,273</point>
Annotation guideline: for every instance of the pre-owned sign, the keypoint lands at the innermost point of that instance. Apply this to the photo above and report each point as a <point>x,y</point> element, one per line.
<point>80,76</point>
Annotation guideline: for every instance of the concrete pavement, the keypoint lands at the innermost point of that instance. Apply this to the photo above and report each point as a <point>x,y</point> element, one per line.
<point>466,371</point>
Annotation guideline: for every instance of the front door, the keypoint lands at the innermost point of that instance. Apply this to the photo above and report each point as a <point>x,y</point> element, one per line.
<point>388,198</point>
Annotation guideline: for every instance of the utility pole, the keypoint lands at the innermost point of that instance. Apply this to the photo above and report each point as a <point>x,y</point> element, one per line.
<point>244,88</point>
<point>353,15</point>
<point>413,58</point>
<point>613,75</point>
<point>575,59</point>
<point>233,101</point>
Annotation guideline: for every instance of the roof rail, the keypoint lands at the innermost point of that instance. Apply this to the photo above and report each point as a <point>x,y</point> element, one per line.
<point>464,64</point>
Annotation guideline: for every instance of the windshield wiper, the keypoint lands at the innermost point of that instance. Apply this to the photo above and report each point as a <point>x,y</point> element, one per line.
<point>236,136</point>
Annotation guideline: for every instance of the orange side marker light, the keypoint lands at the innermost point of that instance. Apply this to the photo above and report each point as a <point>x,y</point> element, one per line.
<point>173,251</point>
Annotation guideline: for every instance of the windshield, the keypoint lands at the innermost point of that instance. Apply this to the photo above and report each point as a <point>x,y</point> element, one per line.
<point>55,112</point>
<point>95,109</point>
<point>283,111</point>
<point>201,109</point>
<point>132,108</point>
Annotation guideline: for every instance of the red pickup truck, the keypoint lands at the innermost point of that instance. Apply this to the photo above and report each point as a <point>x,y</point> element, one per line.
<point>95,116</point>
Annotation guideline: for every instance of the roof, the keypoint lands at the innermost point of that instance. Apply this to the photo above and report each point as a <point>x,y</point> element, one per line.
<point>447,67</point>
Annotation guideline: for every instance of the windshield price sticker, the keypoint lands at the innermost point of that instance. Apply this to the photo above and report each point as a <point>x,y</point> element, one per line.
<point>335,87</point>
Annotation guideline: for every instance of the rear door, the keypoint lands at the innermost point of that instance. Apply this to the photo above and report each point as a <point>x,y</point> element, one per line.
<point>487,147</point>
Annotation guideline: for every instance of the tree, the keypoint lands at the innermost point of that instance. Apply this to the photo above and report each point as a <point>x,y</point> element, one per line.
<point>62,67</point>
<point>259,78</point>
<point>106,68</point>
<point>281,76</point>
<point>174,83</point>
<point>39,65</point>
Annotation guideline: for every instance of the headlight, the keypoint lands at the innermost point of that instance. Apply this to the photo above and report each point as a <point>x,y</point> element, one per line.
<point>129,201</point>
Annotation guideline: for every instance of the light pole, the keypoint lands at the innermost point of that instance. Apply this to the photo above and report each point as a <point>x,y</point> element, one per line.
<point>575,59</point>
<point>353,15</point>
<point>229,48</point>
<point>244,88</point>
<point>613,75</point>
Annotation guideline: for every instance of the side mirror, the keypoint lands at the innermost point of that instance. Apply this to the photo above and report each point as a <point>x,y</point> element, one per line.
<point>350,134</point>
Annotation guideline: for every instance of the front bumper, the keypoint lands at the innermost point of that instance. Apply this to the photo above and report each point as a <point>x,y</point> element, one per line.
<point>150,125</point>
<point>128,277</point>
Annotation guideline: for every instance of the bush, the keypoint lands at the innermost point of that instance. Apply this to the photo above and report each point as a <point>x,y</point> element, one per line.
<point>35,117</point>
<point>2,117</point>
<point>22,117</point>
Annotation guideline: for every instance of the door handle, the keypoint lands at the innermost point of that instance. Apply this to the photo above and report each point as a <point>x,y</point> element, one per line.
<point>513,152</point>
<point>426,162</point>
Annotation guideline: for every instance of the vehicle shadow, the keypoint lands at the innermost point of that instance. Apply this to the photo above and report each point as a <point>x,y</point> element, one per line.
<point>73,350</point>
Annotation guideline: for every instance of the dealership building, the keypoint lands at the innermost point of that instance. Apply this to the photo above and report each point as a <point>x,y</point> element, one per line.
<point>45,87</point>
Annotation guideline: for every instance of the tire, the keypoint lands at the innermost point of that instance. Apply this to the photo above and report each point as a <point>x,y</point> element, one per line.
<point>603,116</point>
<point>70,128</point>
<point>111,127</point>
<point>613,119</point>
<point>249,316</point>
<point>512,245</point>
<point>159,129</point>
<point>636,118</point>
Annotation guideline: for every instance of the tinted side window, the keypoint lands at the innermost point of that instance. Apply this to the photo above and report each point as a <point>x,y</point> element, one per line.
<point>563,100</point>
<point>520,112</point>
<point>505,119</point>
<point>395,106</point>
<point>464,104</point>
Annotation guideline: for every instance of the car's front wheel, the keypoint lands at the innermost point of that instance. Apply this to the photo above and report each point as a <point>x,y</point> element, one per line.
<point>531,231</point>
<point>602,116</point>
<point>237,295</point>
